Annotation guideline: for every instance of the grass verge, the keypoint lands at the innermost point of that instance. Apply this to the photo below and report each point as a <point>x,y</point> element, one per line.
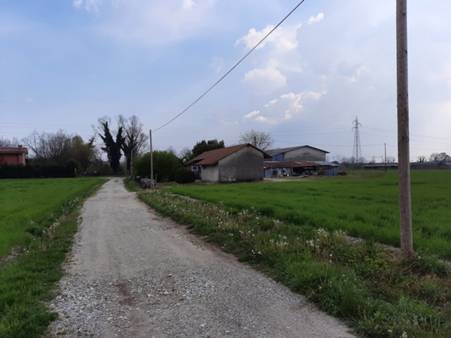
<point>27,282</point>
<point>377,293</point>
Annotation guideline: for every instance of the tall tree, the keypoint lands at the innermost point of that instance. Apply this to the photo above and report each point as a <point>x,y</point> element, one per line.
<point>134,140</point>
<point>204,146</point>
<point>259,139</point>
<point>112,146</point>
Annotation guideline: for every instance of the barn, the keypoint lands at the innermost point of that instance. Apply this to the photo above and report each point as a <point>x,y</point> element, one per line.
<point>298,153</point>
<point>238,163</point>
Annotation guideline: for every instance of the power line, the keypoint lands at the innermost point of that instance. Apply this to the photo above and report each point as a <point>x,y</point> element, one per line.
<point>231,69</point>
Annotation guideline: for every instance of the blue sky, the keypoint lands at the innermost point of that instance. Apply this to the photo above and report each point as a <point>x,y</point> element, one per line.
<point>66,63</point>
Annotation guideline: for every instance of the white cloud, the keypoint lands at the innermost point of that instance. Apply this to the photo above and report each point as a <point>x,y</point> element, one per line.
<point>188,4</point>
<point>283,40</point>
<point>317,18</point>
<point>284,108</point>
<point>88,5</point>
<point>265,80</point>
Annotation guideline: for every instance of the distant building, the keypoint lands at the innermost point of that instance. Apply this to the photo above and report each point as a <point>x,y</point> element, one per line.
<point>299,153</point>
<point>232,164</point>
<point>13,156</point>
<point>299,161</point>
<point>299,168</point>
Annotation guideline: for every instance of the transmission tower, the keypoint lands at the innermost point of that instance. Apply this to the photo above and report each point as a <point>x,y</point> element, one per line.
<point>357,150</point>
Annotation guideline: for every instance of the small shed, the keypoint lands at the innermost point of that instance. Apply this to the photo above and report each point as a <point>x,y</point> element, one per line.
<point>238,163</point>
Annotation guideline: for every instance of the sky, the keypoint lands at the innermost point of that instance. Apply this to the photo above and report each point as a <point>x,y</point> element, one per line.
<point>66,63</point>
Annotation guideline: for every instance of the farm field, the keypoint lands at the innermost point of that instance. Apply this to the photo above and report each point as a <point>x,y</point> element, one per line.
<point>27,209</point>
<point>363,204</point>
<point>28,206</point>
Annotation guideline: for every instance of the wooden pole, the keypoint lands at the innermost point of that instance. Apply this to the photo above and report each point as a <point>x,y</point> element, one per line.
<point>151,156</point>
<point>405,199</point>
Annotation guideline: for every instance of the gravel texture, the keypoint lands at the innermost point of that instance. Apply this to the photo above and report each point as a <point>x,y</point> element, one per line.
<point>135,274</point>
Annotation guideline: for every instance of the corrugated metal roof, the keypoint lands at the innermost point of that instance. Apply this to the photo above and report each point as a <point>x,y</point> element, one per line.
<point>212,157</point>
<point>277,151</point>
<point>13,150</point>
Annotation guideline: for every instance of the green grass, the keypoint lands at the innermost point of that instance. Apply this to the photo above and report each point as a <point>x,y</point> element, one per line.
<point>27,281</point>
<point>370,287</point>
<point>27,206</point>
<point>363,205</point>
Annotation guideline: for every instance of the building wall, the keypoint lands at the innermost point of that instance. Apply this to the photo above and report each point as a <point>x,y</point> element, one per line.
<point>244,165</point>
<point>210,174</point>
<point>12,159</point>
<point>305,154</point>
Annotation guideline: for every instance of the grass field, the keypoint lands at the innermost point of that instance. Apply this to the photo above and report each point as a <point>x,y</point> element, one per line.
<point>375,291</point>
<point>363,204</point>
<point>28,206</point>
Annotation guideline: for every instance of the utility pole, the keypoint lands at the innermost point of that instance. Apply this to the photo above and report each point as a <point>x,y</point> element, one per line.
<point>405,198</point>
<point>151,157</point>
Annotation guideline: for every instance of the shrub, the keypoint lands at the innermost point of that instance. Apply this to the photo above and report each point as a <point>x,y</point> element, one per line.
<point>165,165</point>
<point>183,176</point>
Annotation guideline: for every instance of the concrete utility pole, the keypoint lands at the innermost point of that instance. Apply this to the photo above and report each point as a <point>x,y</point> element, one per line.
<point>405,198</point>
<point>151,156</point>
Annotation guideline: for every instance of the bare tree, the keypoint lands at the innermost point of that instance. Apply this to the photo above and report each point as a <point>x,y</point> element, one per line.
<point>259,139</point>
<point>134,140</point>
<point>422,159</point>
<point>5,142</point>
<point>50,146</point>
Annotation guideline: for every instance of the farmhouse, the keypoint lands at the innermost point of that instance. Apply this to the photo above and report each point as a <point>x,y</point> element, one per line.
<point>13,156</point>
<point>232,164</point>
<point>299,153</point>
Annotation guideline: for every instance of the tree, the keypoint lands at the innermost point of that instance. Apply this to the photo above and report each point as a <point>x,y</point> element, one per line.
<point>135,138</point>
<point>5,142</point>
<point>61,150</point>
<point>83,153</point>
<point>54,148</point>
<point>186,155</point>
<point>203,146</point>
<point>112,146</point>
<point>421,159</point>
<point>259,139</point>
<point>440,157</point>
<point>166,165</point>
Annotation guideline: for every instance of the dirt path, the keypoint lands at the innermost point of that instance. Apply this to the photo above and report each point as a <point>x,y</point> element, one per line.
<point>134,274</point>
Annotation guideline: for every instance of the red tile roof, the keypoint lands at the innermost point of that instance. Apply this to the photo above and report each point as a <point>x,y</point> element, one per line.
<point>212,157</point>
<point>13,150</point>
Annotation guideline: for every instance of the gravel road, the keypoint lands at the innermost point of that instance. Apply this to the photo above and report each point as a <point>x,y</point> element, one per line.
<point>135,274</point>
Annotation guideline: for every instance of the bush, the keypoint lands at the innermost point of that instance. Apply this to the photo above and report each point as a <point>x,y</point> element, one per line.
<point>165,165</point>
<point>183,176</point>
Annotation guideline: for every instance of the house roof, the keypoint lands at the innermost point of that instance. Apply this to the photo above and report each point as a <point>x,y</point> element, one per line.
<point>13,150</point>
<point>212,157</point>
<point>289,164</point>
<point>277,151</point>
